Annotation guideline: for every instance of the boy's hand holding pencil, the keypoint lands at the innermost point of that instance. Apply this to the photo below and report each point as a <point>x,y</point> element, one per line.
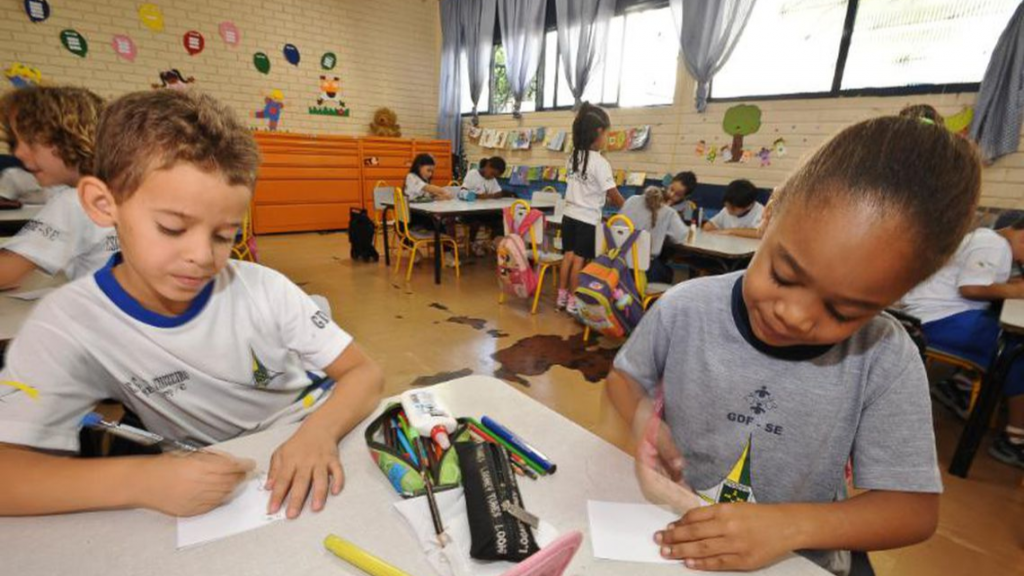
<point>188,484</point>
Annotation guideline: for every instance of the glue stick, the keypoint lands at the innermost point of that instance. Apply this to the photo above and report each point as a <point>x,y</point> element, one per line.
<point>429,416</point>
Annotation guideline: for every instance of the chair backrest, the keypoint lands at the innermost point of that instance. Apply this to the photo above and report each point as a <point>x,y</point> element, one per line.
<point>546,197</point>
<point>383,194</point>
<point>552,560</point>
<point>559,208</point>
<point>520,208</point>
<point>621,227</point>
<point>401,212</point>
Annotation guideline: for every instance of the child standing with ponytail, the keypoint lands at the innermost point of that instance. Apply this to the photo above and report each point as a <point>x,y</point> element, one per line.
<point>590,183</point>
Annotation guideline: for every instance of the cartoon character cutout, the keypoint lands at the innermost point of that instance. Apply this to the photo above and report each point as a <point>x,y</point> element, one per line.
<point>780,147</point>
<point>22,76</point>
<point>766,156</point>
<point>712,155</point>
<point>702,147</point>
<point>272,107</point>
<point>328,90</point>
<point>725,154</point>
<point>173,80</point>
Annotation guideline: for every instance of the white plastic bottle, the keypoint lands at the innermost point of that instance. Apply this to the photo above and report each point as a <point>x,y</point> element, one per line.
<point>429,416</point>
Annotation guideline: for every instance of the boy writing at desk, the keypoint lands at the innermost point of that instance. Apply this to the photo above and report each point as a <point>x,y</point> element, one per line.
<point>200,348</point>
<point>742,212</point>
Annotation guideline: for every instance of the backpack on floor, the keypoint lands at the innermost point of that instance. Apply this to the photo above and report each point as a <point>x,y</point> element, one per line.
<point>515,274</point>
<point>361,231</point>
<point>608,297</point>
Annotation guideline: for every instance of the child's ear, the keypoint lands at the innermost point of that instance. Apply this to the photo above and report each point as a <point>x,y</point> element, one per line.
<point>98,201</point>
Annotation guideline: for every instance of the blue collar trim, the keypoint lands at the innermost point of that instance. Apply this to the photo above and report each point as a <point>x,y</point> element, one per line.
<point>116,293</point>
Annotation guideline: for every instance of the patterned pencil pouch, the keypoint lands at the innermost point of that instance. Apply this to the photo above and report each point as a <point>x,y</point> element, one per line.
<point>384,440</point>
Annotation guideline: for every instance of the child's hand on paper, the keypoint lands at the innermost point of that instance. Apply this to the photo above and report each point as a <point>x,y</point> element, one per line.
<point>738,536</point>
<point>308,458</point>
<point>191,484</point>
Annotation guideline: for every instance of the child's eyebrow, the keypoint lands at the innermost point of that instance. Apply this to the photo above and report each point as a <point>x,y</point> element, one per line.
<point>842,300</point>
<point>189,218</point>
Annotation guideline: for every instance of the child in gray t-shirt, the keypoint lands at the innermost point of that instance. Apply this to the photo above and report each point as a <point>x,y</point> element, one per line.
<point>774,378</point>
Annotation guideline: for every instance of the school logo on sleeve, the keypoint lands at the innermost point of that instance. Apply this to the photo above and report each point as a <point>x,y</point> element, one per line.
<point>738,485</point>
<point>262,376</point>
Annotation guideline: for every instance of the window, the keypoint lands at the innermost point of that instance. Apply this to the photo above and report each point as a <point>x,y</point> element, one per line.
<point>814,46</point>
<point>502,100</point>
<point>485,90</point>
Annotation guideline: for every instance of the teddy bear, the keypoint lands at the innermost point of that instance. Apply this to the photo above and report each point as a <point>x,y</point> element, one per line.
<point>385,123</point>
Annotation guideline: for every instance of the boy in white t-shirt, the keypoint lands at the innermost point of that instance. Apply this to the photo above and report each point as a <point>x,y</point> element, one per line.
<point>201,348</point>
<point>742,213</point>
<point>590,183</point>
<point>955,309</point>
<point>51,130</point>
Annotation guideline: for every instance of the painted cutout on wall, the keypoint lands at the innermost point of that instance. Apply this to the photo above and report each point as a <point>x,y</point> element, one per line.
<point>124,47</point>
<point>193,42</point>
<point>262,62</point>
<point>151,17</point>
<point>385,123</point>
<point>21,75</point>
<point>173,79</point>
<point>712,154</point>
<point>273,105</point>
<point>701,148</point>
<point>779,146</point>
<point>37,10</point>
<point>474,132</point>
<point>739,121</point>
<point>766,157</point>
<point>960,122</point>
<point>616,141</point>
<point>229,33</point>
<point>329,94</point>
<point>291,54</point>
<point>328,61</point>
<point>725,153</point>
<point>638,137</point>
<point>74,42</point>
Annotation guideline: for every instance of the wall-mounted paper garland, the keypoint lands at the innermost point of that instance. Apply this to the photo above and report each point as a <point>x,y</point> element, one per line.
<point>291,54</point>
<point>193,42</point>
<point>151,17</point>
<point>74,42</point>
<point>262,62</point>
<point>328,61</point>
<point>37,10</point>
<point>229,33</point>
<point>124,47</point>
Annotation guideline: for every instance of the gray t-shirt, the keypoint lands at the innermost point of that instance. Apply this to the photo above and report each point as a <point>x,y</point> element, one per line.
<point>669,223</point>
<point>771,425</point>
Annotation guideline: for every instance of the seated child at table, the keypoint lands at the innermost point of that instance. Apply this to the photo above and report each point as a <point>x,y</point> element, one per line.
<point>51,130</point>
<point>682,185</point>
<point>483,182</point>
<point>774,378</point>
<point>417,181</point>
<point>955,309</point>
<point>201,348</point>
<point>742,212</point>
<point>650,211</point>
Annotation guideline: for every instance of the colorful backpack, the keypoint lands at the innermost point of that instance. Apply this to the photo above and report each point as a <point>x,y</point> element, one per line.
<point>515,274</point>
<point>608,297</point>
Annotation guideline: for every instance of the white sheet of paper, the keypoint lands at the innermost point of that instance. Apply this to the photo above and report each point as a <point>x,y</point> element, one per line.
<point>31,295</point>
<point>625,532</point>
<point>248,510</point>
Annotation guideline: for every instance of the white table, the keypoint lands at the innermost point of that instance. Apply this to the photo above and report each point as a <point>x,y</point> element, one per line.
<point>14,312</point>
<point>142,542</point>
<point>23,214</point>
<point>728,250</point>
<point>438,210</point>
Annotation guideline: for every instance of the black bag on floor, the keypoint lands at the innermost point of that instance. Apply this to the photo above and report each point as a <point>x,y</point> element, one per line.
<point>361,231</point>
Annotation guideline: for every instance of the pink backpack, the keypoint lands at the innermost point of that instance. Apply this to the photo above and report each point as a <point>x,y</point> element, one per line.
<point>515,274</point>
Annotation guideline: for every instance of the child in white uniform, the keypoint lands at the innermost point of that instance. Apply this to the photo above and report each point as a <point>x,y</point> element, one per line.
<point>742,213</point>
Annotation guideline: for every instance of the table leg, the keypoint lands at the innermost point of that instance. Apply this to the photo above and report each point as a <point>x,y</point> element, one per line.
<point>437,250</point>
<point>384,228</point>
<point>1008,352</point>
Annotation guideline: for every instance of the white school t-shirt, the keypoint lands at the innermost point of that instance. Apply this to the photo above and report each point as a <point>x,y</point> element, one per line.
<point>62,237</point>
<point>414,186</point>
<point>752,219</point>
<point>476,183</point>
<point>16,182</point>
<point>670,224</point>
<point>234,363</point>
<point>983,258</point>
<point>586,196</point>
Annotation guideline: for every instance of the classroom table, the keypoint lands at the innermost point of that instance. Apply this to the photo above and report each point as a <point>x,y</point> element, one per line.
<point>12,220</point>
<point>1008,350</point>
<point>14,312</point>
<point>143,542</point>
<point>439,210</point>
<point>727,250</point>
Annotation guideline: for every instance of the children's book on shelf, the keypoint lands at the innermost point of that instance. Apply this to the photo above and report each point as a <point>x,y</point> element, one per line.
<point>557,142</point>
<point>533,173</point>
<point>520,176</point>
<point>538,134</point>
<point>501,141</point>
<point>620,177</point>
<point>636,178</point>
<point>562,174</point>
<point>521,139</point>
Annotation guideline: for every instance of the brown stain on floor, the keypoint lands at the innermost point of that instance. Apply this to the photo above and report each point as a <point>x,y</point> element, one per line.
<point>439,306</point>
<point>495,333</point>
<point>474,323</point>
<point>441,377</point>
<point>535,355</point>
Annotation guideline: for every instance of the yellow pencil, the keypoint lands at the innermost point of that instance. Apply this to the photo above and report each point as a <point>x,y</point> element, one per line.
<point>360,558</point>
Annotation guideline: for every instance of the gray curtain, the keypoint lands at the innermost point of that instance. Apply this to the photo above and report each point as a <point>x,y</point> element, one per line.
<point>708,31</point>
<point>522,35</point>
<point>478,34</point>
<point>582,36</point>
<point>449,118</point>
<point>997,111</point>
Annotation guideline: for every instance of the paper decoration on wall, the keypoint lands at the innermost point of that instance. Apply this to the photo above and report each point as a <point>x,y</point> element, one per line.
<point>502,140</point>
<point>74,42</point>
<point>151,17</point>
<point>711,155</point>
<point>638,137</point>
<point>766,156</point>
<point>329,94</point>
<point>328,61</point>
<point>37,10</point>
<point>385,123</point>
<point>291,54</point>
<point>701,148</point>
<point>725,153</point>
<point>960,122</point>
<point>21,76</point>
<point>474,132</point>
<point>521,139</point>
<point>615,141</point>
<point>739,121</point>
<point>124,47</point>
<point>779,146</point>
<point>538,135</point>
<point>636,178</point>
<point>273,104</point>
<point>229,33</point>
<point>557,141</point>
<point>173,80</point>
<point>747,155</point>
<point>262,62</point>
<point>194,42</point>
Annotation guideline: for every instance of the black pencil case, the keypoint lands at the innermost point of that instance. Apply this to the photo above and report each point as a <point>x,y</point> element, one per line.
<point>492,501</point>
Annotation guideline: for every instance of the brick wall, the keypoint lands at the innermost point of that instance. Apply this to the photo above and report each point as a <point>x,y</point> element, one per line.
<point>388,54</point>
<point>805,124</point>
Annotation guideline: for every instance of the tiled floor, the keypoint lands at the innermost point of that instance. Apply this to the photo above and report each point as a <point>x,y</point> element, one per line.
<point>423,333</point>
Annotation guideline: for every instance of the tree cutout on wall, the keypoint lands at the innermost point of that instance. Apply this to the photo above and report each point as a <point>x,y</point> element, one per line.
<point>273,105</point>
<point>37,10</point>
<point>262,62</point>
<point>291,54</point>
<point>328,61</point>
<point>193,42</point>
<point>229,33</point>
<point>151,17</point>
<point>124,47</point>
<point>739,121</point>
<point>74,42</point>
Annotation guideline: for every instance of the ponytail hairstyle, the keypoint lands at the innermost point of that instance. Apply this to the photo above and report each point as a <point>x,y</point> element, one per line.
<point>585,128</point>
<point>654,198</point>
<point>924,111</point>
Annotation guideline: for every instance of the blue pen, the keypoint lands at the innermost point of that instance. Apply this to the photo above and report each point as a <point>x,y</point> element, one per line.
<point>137,435</point>
<point>519,444</point>
<point>406,445</point>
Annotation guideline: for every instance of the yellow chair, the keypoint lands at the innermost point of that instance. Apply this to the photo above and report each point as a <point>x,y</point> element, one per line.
<point>931,355</point>
<point>638,278</point>
<point>382,192</point>
<point>412,240</point>
<point>543,260</point>
<point>241,249</point>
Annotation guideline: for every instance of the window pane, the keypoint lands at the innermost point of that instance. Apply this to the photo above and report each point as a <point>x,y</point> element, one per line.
<point>502,102</point>
<point>923,41</point>
<point>564,94</point>
<point>649,59</point>
<point>612,64</point>
<point>550,67</point>
<point>787,47</point>
<point>485,91</point>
